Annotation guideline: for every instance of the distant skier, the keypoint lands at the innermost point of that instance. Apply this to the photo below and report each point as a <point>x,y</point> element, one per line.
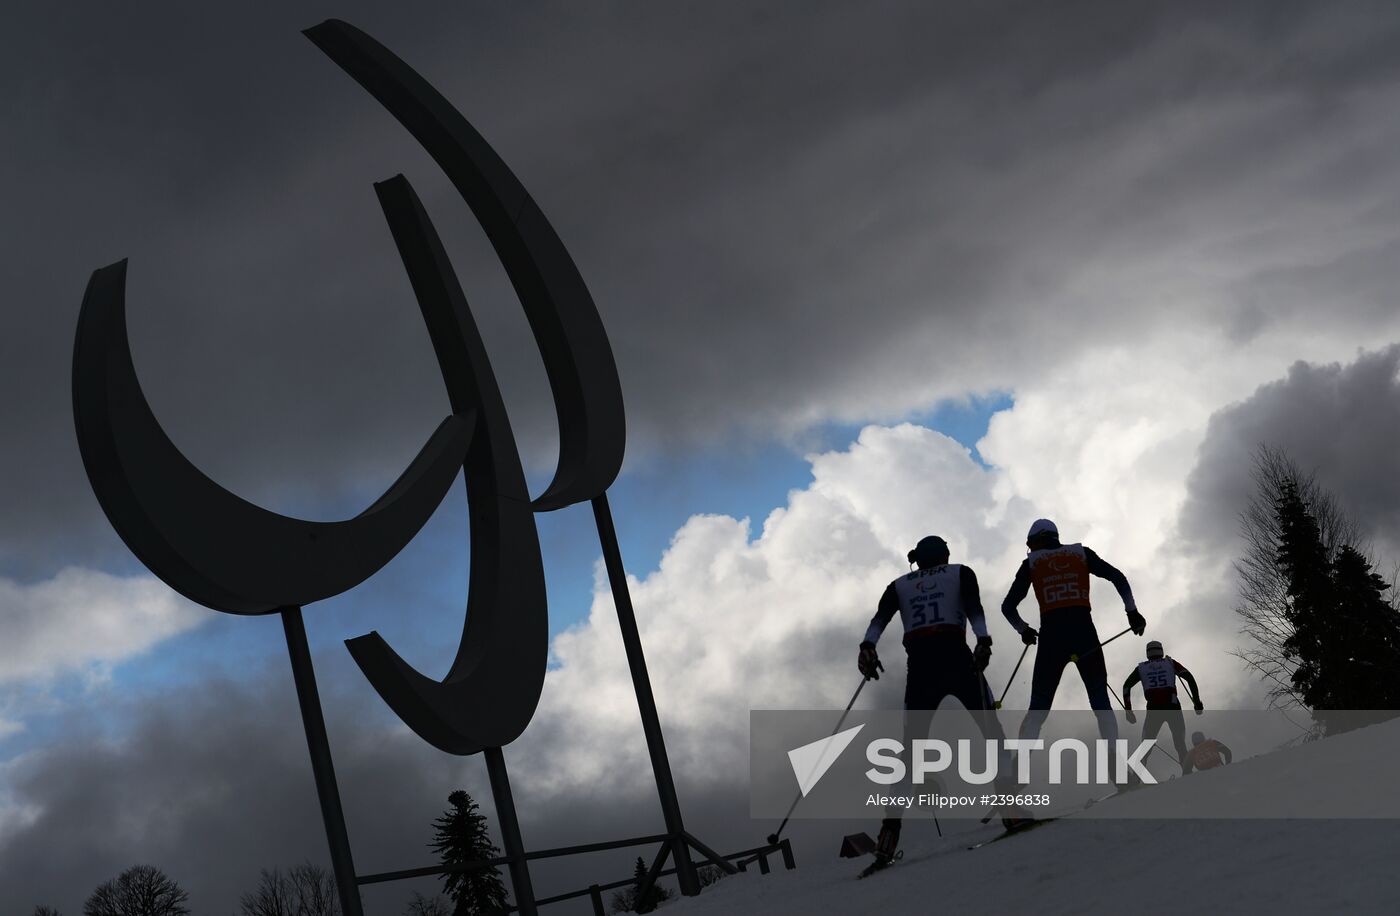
<point>1158,677</point>
<point>935,602</point>
<point>1060,574</point>
<point>1207,753</point>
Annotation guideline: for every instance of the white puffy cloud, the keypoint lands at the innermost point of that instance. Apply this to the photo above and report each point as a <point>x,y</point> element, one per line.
<point>734,619</point>
<point>81,618</point>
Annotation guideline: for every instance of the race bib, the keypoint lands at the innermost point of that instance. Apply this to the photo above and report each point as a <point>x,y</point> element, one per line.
<point>1158,678</point>
<point>931,598</point>
<point>1060,577</point>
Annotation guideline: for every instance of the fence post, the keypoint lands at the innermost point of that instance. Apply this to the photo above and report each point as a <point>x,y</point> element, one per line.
<point>788,861</point>
<point>595,894</point>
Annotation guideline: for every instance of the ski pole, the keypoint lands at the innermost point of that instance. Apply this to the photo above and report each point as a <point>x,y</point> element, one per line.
<point>1076,657</point>
<point>1013,675</point>
<point>773,837</point>
<point>1170,755</point>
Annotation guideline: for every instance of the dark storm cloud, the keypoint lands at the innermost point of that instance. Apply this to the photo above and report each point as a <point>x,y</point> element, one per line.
<point>213,784</point>
<point>783,212</point>
<point>1341,422</point>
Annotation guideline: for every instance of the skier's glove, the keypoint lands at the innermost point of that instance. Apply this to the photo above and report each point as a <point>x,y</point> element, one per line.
<point>1199,707</point>
<point>982,655</point>
<point>1136,622</point>
<point>1028,636</point>
<point>1132,716</point>
<point>869,662</point>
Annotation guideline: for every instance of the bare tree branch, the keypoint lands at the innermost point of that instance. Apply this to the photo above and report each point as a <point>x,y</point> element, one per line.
<point>1263,603</point>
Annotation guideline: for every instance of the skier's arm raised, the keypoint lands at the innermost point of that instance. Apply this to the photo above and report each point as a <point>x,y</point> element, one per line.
<point>1224,752</point>
<point>972,603</point>
<point>869,662</point>
<point>1104,570</point>
<point>1020,587</point>
<point>884,613</point>
<point>972,609</point>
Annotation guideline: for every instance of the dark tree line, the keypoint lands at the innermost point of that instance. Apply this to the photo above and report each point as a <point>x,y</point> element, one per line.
<point>302,890</point>
<point>1322,631</point>
<point>141,890</point>
<point>460,838</point>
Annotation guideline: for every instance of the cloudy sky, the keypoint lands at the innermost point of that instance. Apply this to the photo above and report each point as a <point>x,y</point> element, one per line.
<point>871,271</point>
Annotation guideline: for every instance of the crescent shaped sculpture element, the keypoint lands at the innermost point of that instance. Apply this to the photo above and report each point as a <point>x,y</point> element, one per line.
<point>569,333</point>
<point>490,693</point>
<point>203,541</point>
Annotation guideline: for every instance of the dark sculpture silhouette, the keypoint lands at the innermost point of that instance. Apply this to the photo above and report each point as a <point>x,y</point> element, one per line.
<point>206,543</point>
<point>230,555</point>
<point>490,693</point>
<point>570,335</point>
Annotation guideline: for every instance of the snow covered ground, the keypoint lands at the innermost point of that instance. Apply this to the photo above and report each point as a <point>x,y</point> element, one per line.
<point>1094,865</point>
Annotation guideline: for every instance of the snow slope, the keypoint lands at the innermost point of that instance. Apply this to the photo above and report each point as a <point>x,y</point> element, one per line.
<point>1130,866</point>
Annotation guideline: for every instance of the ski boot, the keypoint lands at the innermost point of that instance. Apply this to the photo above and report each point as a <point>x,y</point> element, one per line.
<point>886,847</point>
<point>887,844</point>
<point>1016,818</point>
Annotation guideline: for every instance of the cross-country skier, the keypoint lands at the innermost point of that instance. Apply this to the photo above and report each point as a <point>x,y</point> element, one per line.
<point>1060,573</point>
<point>1158,676</point>
<point>1207,753</point>
<point>936,602</point>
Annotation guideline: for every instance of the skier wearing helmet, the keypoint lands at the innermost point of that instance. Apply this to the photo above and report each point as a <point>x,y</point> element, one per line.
<point>935,602</point>
<point>1060,574</point>
<point>1158,677</point>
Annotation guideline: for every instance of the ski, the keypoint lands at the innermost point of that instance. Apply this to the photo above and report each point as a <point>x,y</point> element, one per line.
<point>1007,834</point>
<point>1094,801</point>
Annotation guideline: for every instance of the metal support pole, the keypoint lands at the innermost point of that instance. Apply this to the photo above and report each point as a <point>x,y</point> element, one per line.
<point>710,854</point>
<point>595,896</point>
<point>510,831</point>
<point>316,742</point>
<point>649,881</point>
<point>646,703</point>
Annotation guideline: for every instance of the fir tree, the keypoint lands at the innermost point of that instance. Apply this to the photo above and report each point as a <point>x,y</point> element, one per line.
<point>1303,559</point>
<point>461,837</point>
<point>1345,636</point>
<point>1371,629</point>
<point>631,900</point>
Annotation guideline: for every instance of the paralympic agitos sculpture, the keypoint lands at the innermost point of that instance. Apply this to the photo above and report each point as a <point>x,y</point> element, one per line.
<point>232,556</point>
